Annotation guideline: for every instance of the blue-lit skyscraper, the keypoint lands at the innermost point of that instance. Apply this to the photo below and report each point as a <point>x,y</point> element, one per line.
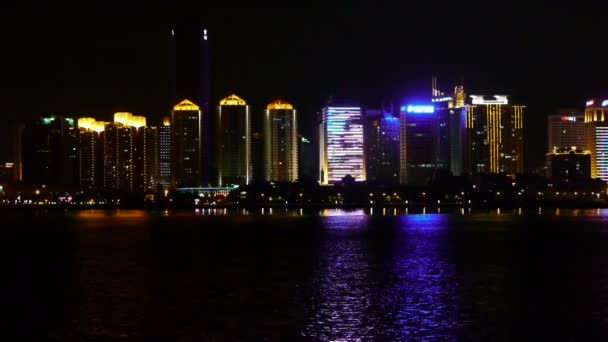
<point>381,132</point>
<point>419,150</point>
<point>341,150</point>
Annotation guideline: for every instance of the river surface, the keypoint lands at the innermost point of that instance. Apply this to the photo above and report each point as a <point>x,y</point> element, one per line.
<point>297,275</point>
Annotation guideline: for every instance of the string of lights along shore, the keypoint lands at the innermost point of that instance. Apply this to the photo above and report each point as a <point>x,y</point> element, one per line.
<point>201,146</point>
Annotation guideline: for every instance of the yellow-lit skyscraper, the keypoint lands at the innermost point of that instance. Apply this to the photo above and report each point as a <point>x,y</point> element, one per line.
<point>90,153</point>
<point>280,142</point>
<point>233,141</point>
<point>596,136</point>
<point>124,153</point>
<point>493,137</point>
<point>186,145</point>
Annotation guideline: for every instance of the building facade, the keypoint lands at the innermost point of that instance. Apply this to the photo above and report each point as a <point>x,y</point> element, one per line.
<point>280,142</point>
<point>90,153</point>
<point>124,161</point>
<point>49,152</point>
<point>493,138</point>
<point>419,144</point>
<point>381,137</point>
<point>233,141</point>
<point>186,145</point>
<point>190,74</point>
<point>568,165</point>
<point>596,136</point>
<point>566,129</point>
<point>341,149</point>
<point>164,150</point>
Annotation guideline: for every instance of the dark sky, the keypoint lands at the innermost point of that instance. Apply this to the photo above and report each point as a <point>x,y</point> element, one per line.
<point>95,59</point>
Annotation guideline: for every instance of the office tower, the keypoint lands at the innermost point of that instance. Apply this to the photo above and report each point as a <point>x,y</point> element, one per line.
<point>341,150</point>
<point>186,145</point>
<point>568,164</point>
<point>306,158</point>
<point>450,129</point>
<point>381,140</point>
<point>280,142</point>
<point>49,152</point>
<point>596,136</point>
<point>123,153</point>
<point>493,141</point>
<point>566,129</point>
<point>90,153</point>
<point>233,141</point>
<point>419,144</point>
<point>190,79</point>
<point>164,132</point>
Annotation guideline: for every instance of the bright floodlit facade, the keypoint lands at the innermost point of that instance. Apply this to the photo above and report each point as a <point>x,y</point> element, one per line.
<point>341,150</point>
<point>233,142</point>
<point>280,142</point>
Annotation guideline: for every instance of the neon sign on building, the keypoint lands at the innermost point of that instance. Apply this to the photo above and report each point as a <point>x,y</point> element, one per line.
<point>418,109</point>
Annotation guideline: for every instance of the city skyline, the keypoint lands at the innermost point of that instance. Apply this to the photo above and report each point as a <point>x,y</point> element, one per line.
<point>122,61</point>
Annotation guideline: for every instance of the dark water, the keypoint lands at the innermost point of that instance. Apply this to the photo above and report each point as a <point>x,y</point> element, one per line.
<point>298,276</point>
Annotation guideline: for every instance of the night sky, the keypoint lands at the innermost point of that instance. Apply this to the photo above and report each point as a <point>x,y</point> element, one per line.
<point>95,60</point>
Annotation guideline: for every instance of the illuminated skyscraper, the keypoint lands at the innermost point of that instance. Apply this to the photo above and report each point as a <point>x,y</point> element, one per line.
<point>280,142</point>
<point>90,153</point>
<point>164,132</point>
<point>341,150</point>
<point>186,145</point>
<point>381,137</point>
<point>49,152</point>
<point>451,129</point>
<point>493,139</point>
<point>124,163</point>
<point>233,129</point>
<point>151,158</point>
<point>566,129</point>
<point>190,78</point>
<point>596,136</point>
<point>419,140</point>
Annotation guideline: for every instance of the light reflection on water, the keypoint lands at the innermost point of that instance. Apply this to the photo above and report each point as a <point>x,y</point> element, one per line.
<point>359,296</point>
<point>342,292</point>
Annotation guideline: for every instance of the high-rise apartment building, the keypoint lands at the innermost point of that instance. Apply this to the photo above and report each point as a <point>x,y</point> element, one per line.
<point>280,142</point>
<point>187,145</point>
<point>90,153</point>
<point>341,149</point>
<point>124,163</point>
<point>164,150</point>
<point>381,138</point>
<point>150,158</point>
<point>233,141</point>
